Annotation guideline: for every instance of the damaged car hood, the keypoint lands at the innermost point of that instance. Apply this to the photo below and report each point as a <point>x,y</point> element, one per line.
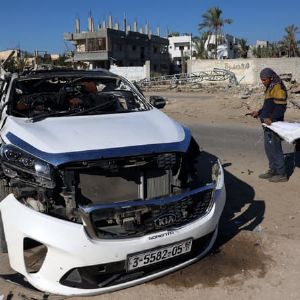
<point>59,140</point>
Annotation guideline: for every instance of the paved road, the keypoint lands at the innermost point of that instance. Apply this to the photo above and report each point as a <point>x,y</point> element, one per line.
<point>230,141</point>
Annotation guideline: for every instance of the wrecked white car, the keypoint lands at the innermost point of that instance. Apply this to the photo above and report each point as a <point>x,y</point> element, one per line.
<point>99,189</point>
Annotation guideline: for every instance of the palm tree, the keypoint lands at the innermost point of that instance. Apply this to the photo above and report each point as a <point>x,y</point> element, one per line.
<point>271,50</point>
<point>243,48</point>
<point>213,22</point>
<point>290,44</point>
<point>199,42</point>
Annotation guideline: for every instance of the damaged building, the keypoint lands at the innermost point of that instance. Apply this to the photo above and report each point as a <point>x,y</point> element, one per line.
<point>127,46</point>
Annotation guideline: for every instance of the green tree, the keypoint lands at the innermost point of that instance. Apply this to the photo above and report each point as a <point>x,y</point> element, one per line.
<point>272,50</point>
<point>18,64</point>
<point>175,33</point>
<point>213,22</point>
<point>290,43</point>
<point>243,48</point>
<point>64,60</point>
<point>199,42</point>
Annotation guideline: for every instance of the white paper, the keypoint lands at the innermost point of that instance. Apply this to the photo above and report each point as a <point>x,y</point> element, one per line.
<point>286,130</point>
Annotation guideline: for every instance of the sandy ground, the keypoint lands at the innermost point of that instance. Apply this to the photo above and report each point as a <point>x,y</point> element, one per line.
<point>257,255</point>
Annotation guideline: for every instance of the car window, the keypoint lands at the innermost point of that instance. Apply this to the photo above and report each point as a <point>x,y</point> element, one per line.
<point>83,95</point>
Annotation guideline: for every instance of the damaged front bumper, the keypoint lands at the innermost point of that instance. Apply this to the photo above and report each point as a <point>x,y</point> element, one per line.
<point>77,263</point>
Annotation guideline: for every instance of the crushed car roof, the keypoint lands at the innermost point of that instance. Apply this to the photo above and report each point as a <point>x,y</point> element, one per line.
<point>67,73</point>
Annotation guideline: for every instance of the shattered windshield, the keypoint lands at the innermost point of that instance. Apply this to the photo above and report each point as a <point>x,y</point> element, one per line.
<point>39,98</point>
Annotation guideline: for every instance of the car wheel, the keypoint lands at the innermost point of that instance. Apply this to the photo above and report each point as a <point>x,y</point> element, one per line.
<point>4,191</point>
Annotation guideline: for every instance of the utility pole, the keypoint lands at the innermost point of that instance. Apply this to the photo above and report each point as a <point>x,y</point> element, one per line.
<point>191,55</point>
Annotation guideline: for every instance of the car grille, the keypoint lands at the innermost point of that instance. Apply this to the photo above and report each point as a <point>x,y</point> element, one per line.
<point>137,218</point>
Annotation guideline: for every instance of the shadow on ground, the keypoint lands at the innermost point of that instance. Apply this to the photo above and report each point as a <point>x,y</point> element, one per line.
<point>292,161</point>
<point>241,211</point>
<point>238,251</point>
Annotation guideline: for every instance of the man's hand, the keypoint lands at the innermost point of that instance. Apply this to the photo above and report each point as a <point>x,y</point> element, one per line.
<point>253,114</point>
<point>267,121</point>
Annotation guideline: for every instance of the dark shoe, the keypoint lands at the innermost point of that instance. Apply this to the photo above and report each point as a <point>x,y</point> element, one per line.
<point>269,174</point>
<point>279,178</point>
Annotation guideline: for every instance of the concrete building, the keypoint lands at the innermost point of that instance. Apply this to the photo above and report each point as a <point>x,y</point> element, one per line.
<point>5,53</point>
<point>180,46</point>
<point>227,46</point>
<point>261,43</point>
<point>108,44</point>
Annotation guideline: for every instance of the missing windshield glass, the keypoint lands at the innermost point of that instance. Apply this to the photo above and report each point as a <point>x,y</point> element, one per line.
<point>61,96</point>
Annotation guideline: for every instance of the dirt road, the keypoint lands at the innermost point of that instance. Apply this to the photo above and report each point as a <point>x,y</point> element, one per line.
<point>257,255</point>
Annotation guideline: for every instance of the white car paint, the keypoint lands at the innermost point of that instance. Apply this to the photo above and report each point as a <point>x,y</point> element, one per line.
<point>72,247</point>
<point>81,133</point>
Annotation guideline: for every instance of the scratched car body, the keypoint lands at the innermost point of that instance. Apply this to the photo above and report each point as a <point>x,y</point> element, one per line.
<point>100,197</point>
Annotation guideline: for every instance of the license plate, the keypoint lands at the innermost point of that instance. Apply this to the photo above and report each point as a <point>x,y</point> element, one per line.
<point>146,258</point>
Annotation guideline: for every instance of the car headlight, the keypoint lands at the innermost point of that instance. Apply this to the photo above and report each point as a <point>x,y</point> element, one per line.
<point>23,161</point>
<point>218,175</point>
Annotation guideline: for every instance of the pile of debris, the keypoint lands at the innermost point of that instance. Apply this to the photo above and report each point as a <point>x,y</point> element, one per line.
<point>189,80</point>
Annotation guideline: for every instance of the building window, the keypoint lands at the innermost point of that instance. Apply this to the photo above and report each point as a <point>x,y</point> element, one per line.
<point>164,49</point>
<point>142,52</point>
<point>95,44</point>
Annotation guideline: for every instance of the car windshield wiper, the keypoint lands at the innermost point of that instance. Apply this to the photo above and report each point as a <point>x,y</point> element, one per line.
<point>41,117</point>
<point>94,108</point>
<point>78,112</point>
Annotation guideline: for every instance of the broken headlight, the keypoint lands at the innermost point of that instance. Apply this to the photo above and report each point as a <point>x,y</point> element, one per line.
<point>20,160</point>
<point>217,175</point>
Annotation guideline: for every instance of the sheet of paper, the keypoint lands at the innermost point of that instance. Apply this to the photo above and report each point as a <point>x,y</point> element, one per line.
<point>286,130</point>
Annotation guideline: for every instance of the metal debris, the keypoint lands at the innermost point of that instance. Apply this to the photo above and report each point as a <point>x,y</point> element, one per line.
<point>190,78</point>
<point>295,102</point>
<point>286,77</point>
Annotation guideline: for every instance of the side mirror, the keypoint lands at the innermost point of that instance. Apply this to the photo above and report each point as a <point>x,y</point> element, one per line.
<point>157,101</point>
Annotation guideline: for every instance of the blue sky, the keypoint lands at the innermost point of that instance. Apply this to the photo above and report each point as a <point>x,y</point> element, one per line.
<point>36,24</point>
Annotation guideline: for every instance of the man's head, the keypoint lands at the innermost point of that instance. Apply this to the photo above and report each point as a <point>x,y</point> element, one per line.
<point>90,86</point>
<point>267,75</point>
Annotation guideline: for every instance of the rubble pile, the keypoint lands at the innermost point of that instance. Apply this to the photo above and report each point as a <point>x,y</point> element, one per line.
<point>251,96</point>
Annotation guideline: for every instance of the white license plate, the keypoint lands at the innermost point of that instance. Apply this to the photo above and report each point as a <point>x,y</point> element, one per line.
<point>146,258</point>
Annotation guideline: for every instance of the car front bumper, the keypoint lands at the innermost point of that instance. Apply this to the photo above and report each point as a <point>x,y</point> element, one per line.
<point>69,246</point>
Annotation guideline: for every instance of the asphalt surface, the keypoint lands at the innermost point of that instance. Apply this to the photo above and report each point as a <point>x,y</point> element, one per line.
<point>232,143</point>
